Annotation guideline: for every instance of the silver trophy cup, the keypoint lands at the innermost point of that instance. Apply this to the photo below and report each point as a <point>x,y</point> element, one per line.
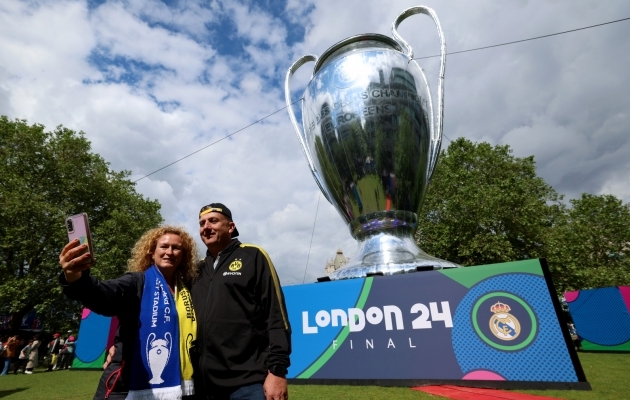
<point>372,141</point>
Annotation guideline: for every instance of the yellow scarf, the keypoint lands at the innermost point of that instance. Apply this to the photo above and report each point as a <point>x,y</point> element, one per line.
<point>187,333</point>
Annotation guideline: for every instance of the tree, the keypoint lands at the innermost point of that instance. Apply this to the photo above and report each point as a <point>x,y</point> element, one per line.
<point>485,206</point>
<point>45,176</point>
<point>590,246</point>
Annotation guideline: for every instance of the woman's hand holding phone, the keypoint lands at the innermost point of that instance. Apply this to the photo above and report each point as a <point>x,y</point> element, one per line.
<point>78,255</point>
<point>74,259</point>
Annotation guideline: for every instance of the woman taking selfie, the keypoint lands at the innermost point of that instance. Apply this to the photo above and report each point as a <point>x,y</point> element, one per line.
<point>153,305</point>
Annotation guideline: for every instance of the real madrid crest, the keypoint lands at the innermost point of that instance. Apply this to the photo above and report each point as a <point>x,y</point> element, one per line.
<point>236,265</point>
<point>504,325</point>
<point>504,321</point>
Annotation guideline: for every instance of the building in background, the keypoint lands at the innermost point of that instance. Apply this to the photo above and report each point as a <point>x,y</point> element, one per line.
<point>337,262</point>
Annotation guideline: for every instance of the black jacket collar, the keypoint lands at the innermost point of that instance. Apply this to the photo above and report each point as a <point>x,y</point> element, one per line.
<point>234,243</point>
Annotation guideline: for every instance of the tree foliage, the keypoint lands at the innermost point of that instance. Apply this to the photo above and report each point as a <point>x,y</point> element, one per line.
<point>45,176</point>
<point>590,246</point>
<point>486,206</point>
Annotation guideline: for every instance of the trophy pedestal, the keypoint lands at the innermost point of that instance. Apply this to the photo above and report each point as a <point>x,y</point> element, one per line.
<point>387,247</point>
<point>434,327</point>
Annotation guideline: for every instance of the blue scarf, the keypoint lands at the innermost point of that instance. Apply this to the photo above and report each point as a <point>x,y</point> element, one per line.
<point>155,369</point>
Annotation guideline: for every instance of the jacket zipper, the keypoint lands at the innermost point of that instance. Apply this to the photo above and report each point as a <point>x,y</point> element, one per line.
<point>215,268</point>
<point>117,372</point>
<point>215,265</point>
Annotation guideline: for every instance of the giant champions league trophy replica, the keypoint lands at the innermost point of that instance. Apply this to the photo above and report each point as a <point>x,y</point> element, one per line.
<point>372,141</point>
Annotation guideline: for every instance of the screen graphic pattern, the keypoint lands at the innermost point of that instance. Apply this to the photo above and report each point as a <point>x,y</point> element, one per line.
<point>522,364</point>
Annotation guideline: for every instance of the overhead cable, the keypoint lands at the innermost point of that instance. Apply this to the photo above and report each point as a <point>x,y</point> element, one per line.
<point>312,234</point>
<point>216,141</point>
<point>526,40</point>
<point>417,58</point>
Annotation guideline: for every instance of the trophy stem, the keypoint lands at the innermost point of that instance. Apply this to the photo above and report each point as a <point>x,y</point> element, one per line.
<point>387,247</point>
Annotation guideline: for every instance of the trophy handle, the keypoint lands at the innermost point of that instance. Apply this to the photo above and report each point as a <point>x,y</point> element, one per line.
<point>298,129</point>
<point>436,136</point>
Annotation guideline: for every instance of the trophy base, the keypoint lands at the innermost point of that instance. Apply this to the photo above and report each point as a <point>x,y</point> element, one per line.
<point>386,253</point>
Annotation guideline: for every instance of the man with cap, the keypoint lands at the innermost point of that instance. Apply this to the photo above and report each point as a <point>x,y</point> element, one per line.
<point>244,336</point>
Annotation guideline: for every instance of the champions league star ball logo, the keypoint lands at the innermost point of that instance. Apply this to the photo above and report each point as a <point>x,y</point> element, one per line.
<point>502,324</point>
<point>347,73</point>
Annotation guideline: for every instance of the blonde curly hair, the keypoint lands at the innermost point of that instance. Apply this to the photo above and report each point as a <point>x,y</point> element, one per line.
<point>142,252</point>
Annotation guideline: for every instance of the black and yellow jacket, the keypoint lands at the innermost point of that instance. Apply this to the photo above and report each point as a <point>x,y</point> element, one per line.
<point>242,323</point>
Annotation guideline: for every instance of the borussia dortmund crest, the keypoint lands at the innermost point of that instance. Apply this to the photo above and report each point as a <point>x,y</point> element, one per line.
<point>504,325</point>
<point>236,265</point>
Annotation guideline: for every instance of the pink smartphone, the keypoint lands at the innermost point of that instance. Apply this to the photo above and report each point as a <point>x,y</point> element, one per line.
<point>78,228</point>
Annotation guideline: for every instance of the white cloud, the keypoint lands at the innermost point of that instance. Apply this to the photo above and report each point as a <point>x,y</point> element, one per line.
<point>123,34</point>
<point>187,16</point>
<point>297,11</point>
<point>618,184</point>
<point>561,99</point>
<point>255,24</point>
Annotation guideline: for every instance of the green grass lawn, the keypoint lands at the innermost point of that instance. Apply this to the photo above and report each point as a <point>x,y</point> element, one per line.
<point>607,373</point>
<point>54,385</point>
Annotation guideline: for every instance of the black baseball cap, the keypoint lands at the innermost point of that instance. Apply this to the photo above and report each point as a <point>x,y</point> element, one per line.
<point>222,209</point>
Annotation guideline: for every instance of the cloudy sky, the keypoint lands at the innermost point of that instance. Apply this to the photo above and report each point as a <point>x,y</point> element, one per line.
<point>152,81</point>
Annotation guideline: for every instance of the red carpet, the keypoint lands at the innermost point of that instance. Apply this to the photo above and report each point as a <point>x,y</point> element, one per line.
<point>468,393</point>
